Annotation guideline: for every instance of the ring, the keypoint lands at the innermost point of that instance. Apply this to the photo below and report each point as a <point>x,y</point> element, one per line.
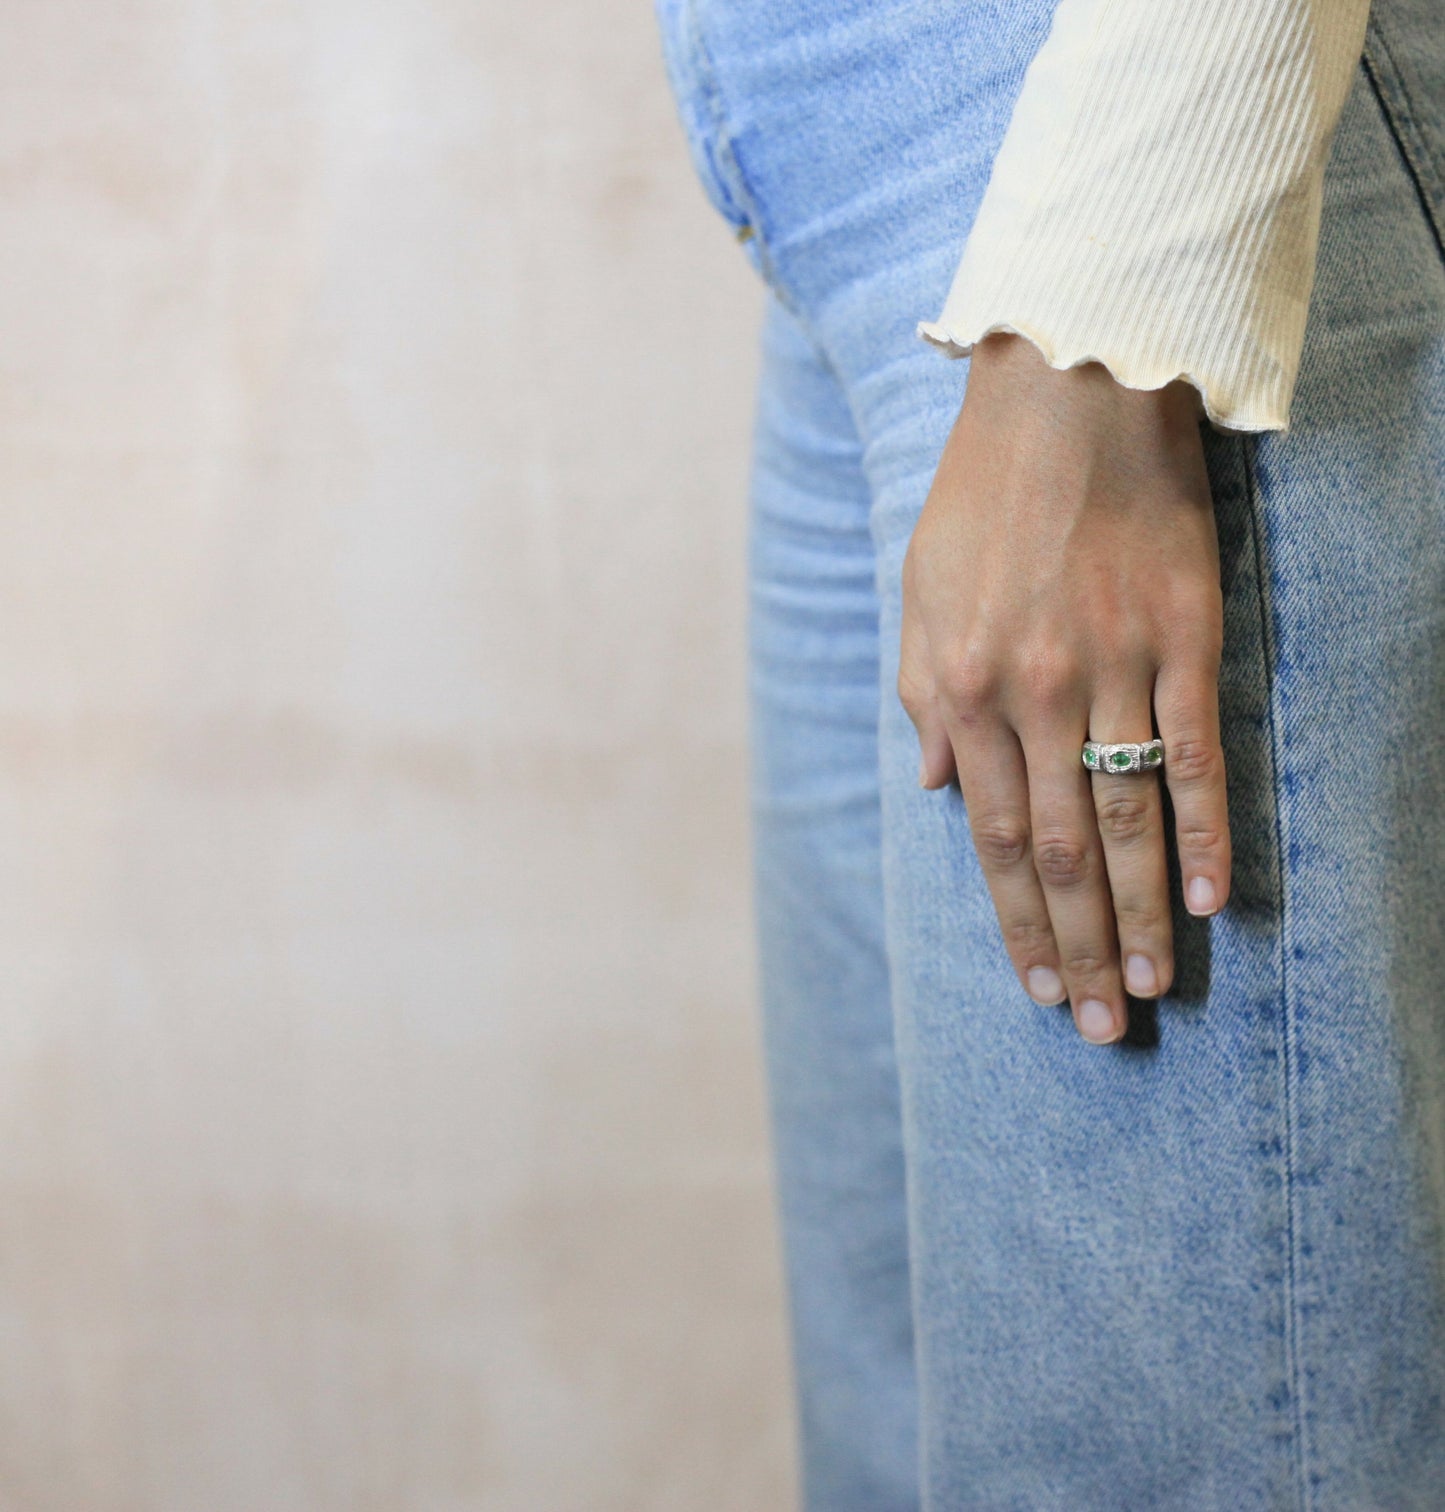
<point>1123,756</point>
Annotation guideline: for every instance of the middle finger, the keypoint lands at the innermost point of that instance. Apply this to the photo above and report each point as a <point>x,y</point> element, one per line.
<point>1069,859</point>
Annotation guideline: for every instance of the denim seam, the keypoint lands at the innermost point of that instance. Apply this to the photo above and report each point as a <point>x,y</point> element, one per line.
<point>1288,1050</point>
<point>1411,114</point>
<point>1415,153</point>
<point>705,87</point>
<point>736,187</point>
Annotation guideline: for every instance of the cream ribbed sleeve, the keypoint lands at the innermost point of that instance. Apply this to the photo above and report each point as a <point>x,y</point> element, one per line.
<point>1155,203</point>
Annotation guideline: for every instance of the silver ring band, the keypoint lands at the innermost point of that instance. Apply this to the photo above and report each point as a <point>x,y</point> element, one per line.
<point>1123,756</point>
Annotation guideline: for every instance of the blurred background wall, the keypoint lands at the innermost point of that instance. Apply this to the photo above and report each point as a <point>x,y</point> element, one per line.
<point>380,1114</point>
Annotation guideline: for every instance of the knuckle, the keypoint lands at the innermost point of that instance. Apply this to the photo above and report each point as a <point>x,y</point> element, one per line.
<point>1084,965</point>
<point>1199,835</point>
<point>1062,861</point>
<point>1049,677</point>
<point>1138,916</point>
<point>1124,817</point>
<point>1001,840</point>
<point>1195,620</point>
<point>915,690</point>
<point>1028,938</point>
<point>1115,668</point>
<point>1193,760</point>
<point>969,685</point>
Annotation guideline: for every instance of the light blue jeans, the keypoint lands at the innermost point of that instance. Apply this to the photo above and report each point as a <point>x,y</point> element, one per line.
<point>1202,1270</point>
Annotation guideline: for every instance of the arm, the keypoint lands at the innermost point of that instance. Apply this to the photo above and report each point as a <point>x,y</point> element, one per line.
<point>1149,235</point>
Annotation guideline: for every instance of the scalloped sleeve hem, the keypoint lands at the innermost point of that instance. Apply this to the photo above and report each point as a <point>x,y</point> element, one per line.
<point>1230,413</point>
<point>1155,203</point>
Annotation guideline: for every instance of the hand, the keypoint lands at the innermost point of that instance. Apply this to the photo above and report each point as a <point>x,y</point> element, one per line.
<point>1062,583</point>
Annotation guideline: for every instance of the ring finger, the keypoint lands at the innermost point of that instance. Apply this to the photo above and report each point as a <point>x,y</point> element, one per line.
<point>1130,815</point>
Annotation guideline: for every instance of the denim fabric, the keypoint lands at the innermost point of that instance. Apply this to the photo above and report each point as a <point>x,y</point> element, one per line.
<point>1202,1270</point>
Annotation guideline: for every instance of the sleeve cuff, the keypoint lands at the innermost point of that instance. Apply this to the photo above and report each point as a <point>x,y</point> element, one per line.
<point>1229,412</point>
<point>1155,204</point>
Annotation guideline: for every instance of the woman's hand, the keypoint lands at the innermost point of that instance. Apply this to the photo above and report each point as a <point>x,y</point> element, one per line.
<point>1062,584</point>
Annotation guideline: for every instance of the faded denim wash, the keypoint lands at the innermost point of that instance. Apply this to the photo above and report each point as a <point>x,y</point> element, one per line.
<point>1202,1270</point>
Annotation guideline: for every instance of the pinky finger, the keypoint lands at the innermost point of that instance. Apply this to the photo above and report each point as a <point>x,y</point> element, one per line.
<point>918,691</point>
<point>1188,718</point>
<point>936,765</point>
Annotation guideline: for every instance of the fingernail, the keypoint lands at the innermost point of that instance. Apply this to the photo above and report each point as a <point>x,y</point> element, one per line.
<point>1096,1022</point>
<point>1140,977</point>
<point>1200,896</point>
<point>1045,986</point>
<point>922,772</point>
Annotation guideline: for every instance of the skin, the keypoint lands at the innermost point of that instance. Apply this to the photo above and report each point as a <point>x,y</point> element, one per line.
<point>1061,584</point>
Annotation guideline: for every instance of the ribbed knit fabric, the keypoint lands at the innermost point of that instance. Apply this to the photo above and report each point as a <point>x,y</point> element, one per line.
<point>1155,203</point>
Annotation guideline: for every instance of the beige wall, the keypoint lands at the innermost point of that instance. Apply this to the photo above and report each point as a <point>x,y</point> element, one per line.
<point>380,1124</point>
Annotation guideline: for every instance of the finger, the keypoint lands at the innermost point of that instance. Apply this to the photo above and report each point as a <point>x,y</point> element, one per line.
<point>1186,702</point>
<point>1129,810</point>
<point>994,781</point>
<point>918,693</point>
<point>1069,860</point>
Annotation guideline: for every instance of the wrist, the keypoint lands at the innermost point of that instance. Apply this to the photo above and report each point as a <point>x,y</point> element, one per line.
<point>1008,367</point>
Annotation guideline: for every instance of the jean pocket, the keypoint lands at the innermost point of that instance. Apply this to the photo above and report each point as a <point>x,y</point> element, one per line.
<point>1405,106</point>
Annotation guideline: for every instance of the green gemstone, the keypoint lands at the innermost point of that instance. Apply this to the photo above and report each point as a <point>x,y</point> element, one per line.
<point>1154,756</point>
<point>1091,758</point>
<point>1120,758</point>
